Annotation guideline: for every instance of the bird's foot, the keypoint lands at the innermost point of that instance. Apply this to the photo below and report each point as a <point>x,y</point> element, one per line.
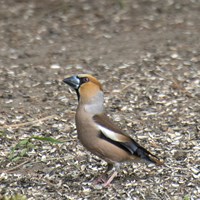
<point>104,180</point>
<point>101,179</point>
<point>107,183</point>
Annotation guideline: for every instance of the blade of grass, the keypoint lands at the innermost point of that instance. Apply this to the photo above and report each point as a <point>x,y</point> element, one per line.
<point>48,139</point>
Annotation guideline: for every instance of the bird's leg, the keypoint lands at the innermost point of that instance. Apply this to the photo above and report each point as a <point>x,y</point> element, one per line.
<point>103,177</point>
<point>110,179</point>
<point>106,183</point>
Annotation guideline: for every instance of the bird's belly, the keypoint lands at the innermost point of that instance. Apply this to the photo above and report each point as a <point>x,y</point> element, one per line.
<point>110,152</point>
<point>102,148</point>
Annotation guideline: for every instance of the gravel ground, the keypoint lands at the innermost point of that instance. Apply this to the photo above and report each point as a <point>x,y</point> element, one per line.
<point>145,53</point>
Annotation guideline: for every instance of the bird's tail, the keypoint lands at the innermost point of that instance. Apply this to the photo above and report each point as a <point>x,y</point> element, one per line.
<point>142,153</point>
<point>139,152</point>
<point>154,159</point>
<point>148,156</point>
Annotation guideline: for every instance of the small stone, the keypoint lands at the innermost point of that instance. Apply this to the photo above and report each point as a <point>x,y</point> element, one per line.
<point>55,66</point>
<point>175,55</point>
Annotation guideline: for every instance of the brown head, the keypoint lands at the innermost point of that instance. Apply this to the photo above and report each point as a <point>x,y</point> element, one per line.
<point>85,85</point>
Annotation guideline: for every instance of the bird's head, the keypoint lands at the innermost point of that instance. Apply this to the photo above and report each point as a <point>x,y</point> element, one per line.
<point>85,85</point>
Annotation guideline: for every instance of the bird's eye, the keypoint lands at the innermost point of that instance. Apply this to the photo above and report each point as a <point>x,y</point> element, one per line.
<point>84,79</point>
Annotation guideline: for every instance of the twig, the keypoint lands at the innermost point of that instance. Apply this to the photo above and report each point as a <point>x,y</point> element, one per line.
<point>15,167</point>
<point>29,123</point>
<point>177,168</point>
<point>127,86</point>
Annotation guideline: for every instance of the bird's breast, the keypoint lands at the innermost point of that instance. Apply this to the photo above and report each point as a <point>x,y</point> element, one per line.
<point>86,129</point>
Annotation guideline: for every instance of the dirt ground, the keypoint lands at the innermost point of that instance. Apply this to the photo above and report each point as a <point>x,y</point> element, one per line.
<point>146,53</point>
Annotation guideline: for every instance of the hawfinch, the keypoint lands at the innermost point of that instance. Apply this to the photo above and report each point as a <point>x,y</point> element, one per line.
<point>98,133</point>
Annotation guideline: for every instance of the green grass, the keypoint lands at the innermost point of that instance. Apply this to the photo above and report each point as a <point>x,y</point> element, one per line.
<point>25,145</point>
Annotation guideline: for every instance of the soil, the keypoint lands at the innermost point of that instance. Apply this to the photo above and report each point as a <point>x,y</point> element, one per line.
<point>146,53</point>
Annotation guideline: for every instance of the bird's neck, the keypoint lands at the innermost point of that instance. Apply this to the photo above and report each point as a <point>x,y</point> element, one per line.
<point>95,104</point>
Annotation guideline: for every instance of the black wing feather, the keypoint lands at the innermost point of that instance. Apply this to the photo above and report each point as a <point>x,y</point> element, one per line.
<point>132,147</point>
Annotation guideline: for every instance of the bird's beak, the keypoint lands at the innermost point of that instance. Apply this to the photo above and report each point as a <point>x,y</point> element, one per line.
<point>72,81</point>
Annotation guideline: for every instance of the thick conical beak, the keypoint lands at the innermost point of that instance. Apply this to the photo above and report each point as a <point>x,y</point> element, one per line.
<point>73,82</point>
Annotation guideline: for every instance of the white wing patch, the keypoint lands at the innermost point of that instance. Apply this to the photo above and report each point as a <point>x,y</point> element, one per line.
<point>108,133</point>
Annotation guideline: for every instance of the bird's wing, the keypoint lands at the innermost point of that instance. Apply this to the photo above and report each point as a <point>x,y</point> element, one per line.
<point>109,129</point>
<point>113,134</point>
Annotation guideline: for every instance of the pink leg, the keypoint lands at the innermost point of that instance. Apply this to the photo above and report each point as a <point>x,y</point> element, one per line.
<point>110,179</point>
<point>100,179</point>
<point>103,177</point>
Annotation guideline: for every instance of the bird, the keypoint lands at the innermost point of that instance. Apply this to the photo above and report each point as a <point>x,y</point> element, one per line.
<point>98,133</point>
